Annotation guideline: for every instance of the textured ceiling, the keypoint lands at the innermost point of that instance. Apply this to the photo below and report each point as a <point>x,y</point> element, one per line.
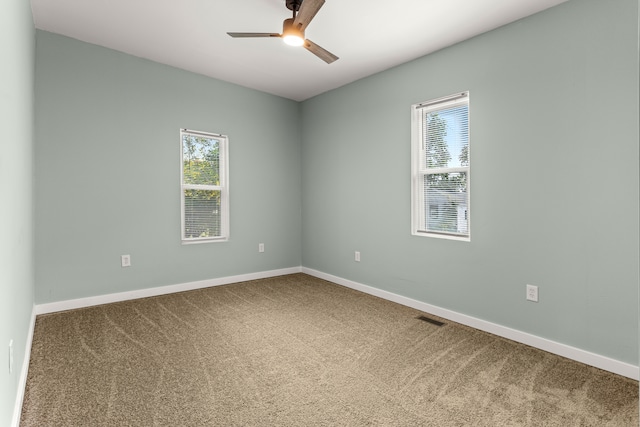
<point>368,35</point>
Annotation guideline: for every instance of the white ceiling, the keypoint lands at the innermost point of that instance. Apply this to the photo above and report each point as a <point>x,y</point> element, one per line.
<point>368,35</point>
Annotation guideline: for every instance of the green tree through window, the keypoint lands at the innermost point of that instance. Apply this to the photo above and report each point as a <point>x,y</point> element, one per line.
<point>203,186</point>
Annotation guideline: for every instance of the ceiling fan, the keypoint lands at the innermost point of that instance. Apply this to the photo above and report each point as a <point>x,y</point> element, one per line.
<point>293,28</point>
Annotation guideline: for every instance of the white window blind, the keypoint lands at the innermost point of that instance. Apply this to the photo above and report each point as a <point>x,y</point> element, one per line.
<point>440,156</point>
<point>204,186</point>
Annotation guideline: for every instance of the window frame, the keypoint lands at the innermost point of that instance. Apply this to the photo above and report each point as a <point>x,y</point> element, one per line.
<point>419,169</point>
<point>223,173</point>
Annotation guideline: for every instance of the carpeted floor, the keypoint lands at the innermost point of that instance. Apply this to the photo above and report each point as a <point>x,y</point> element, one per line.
<point>299,351</point>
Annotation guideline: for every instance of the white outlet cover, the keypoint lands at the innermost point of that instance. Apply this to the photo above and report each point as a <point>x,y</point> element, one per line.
<point>532,293</point>
<point>125,260</point>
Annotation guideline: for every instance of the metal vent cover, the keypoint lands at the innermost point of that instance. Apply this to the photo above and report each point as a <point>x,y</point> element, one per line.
<point>430,320</point>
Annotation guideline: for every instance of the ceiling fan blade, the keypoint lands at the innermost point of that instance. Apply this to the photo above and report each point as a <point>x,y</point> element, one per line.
<point>254,34</point>
<point>320,52</point>
<point>308,10</point>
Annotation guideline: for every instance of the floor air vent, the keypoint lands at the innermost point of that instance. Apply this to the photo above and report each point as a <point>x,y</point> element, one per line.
<point>430,320</point>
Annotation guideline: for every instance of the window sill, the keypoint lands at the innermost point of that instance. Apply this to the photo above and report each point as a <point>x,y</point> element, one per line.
<point>442,236</point>
<point>208,240</point>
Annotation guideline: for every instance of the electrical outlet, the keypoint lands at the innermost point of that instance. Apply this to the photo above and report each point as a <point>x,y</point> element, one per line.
<point>260,247</point>
<point>357,256</point>
<point>125,260</point>
<point>11,356</point>
<point>532,293</point>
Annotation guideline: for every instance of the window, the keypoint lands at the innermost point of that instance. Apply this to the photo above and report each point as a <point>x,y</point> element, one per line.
<point>440,167</point>
<point>205,186</point>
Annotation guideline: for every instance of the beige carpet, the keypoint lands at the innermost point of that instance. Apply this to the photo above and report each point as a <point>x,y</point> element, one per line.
<point>298,351</point>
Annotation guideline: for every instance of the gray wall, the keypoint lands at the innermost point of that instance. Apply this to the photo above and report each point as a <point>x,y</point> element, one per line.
<point>554,190</point>
<point>17,47</point>
<point>108,173</point>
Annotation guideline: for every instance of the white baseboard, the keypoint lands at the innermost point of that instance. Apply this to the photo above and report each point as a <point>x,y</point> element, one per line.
<point>162,290</point>
<point>22,381</point>
<point>583,356</point>
<point>586,357</point>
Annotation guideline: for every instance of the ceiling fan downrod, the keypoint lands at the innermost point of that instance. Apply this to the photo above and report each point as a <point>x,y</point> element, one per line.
<point>294,5</point>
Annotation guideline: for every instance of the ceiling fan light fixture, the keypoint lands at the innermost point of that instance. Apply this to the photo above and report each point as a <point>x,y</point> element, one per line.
<point>293,40</point>
<point>292,35</point>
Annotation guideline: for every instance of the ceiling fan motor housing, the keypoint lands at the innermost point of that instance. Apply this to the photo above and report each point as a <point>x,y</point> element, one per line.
<point>288,29</point>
